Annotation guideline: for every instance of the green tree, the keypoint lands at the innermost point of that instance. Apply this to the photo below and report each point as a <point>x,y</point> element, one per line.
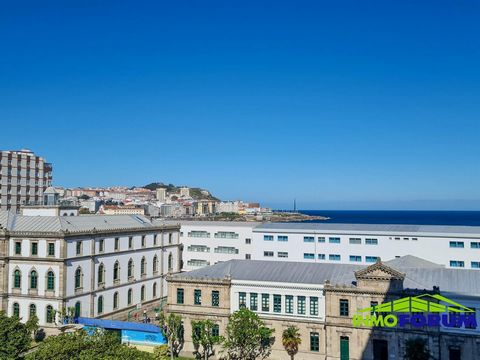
<point>416,349</point>
<point>161,352</point>
<point>32,325</point>
<point>247,337</point>
<point>172,326</point>
<point>79,345</point>
<point>15,338</point>
<point>204,339</point>
<point>291,340</point>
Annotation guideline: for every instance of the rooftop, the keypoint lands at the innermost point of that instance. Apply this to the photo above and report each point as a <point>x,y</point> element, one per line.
<point>251,224</point>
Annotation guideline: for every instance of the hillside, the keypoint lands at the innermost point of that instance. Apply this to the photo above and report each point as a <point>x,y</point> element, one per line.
<point>195,192</point>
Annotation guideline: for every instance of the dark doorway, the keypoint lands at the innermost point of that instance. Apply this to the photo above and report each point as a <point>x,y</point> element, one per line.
<point>454,353</point>
<point>380,350</point>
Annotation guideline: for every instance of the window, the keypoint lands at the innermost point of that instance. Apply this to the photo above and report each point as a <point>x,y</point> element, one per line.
<point>343,307</point>
<point>308,239</point>
<point>170,262</point>
<point>130,242</point>
<point>475,245</point>
<point>321,239</point>
<point>268,253</point>
<point>242,299</point>
<point>301,305</point>
<point>309,256</point>
<point>33,310</point>
<point>215,298</point>
<point>117,243</point>
<point>313,305</point>
<point>265,302</point>
<point>130,268</point>
<point>18,248</point>
<point>170,238</point>
<point>115,300</point>
<point>373,305</point>
<point>371,259</point>
<point>155,264</point>
<point>17,279</point>
<point>334,257</point>
<point>277,303</point>
<point>198,248</point>
<point>289,304</point>
<point>248,256</point>
<point>321,256</point>
<point>314,341</point>
<point>344,348</point>
<point>334,240</point>
<point>371,241</point>
<point>100,304</point>
<point>154,290</point>
<point>226,250</point>
<point>116,271</point>
<point>79,247</point>
<point>16,310</point>
<point>142,293</point>
<point>268,237</point>
<point>475,264</point>
<point>34,248</point>
<point>101,273</point>
<point>457,263</point>
<point>215,330</point>
<point>180,296</point>
<point>197,297</point>
<point>101,244</point>
<point>282,238</point>
<point>155,239</point>
<point>129,297</point>
<point>355,241</point>
<point>253,301</point>
<point>143,241</point>
<point>50,280</point>
<point>78,278</point>
<point>248,241</point>
<point>226,235</point>
<point>199,234</point>
<point>33,279</point>
<point>282,254</point>
<point>143,264</point>
<point>51,249</point>
<point>456,244</point>
<point>355,258</point>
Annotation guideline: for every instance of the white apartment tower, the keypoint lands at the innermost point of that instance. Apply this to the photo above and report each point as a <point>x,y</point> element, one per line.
<point>24,177</point>
<point>161,194</point>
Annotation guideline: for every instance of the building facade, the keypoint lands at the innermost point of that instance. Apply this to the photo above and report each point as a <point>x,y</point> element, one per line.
<point>100,266</point>
<point>24,177</point>
<point>322,300</point>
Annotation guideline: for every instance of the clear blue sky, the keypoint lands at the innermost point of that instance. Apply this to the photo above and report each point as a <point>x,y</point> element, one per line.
<point>341,104</point>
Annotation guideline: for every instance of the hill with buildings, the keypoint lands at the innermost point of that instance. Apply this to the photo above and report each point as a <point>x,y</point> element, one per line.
<point>195,192</point>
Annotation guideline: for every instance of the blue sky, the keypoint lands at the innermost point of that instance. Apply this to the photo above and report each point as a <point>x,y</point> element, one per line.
<point>340,104</point>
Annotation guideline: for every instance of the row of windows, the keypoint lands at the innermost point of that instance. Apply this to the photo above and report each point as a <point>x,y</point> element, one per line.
<point>460,263</point>
<point>461,244</point>
<point>34,248</point>
<point>322,239</point>
<point>116,299</point>
<point>197,297</point>
<point>33,280</point>
<point>116,245</point>
<point>338,257</point>
<point>280,302</point>
<point>32,311</point>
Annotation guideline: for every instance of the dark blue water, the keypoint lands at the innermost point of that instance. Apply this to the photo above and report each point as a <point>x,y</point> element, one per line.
<point>469,218</point>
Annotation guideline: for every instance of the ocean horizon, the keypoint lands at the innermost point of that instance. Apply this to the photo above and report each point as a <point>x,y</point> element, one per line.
<point>406,217</point>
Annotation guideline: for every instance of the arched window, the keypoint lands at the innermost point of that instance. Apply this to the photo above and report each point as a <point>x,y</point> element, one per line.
<point>115,300</point>
<point>50,314</point>
<point>155,264</point>
<point>50,280</point>
<point>154,291</point>
<point>78,309</point>
<point>170,262</point>
<point>101,274</point>
<point>78,278</point>
<point>116,271</point>
<point>100,305</point>
<point>142,293</point>
<point>33,279</point>
<point>129,297</point>
<point>17,279</point>
<point>130,268</point>
<point>16,310</point>
<point>33,310</point>
<point>143,264</point>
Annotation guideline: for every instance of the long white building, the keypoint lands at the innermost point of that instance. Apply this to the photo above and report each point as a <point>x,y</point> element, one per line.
<point>102,266</point>
<point>207,243</point>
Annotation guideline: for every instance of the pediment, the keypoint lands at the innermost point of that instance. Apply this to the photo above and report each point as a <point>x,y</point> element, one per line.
<point>379,271</point>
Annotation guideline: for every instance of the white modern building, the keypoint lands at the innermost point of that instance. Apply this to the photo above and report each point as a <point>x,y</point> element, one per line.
<point>102,266</point>
<point>207,243</point>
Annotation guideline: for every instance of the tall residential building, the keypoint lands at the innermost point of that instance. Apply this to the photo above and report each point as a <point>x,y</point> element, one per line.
<point>161,194</point>
<point>24,177</point>
<point>185,191</point>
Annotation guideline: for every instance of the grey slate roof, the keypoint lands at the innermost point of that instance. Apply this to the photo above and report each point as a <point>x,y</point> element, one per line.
<point>250,224</point>
<point>441,230</point>
<point>420,274</point>
<point>15,222</point>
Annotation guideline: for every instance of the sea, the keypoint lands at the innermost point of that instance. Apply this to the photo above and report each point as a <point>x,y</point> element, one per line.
<point>464,218</point>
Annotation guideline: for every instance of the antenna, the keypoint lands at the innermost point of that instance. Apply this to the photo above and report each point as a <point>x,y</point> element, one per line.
<point>294,205</point>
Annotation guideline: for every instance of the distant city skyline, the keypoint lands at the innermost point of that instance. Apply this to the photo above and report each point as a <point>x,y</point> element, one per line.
<point>341,106</point>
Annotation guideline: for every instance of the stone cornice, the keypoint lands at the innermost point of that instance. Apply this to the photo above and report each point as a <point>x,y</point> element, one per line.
<point>188,280</point>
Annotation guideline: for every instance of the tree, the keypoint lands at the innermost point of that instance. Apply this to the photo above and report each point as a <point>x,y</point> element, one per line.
<point>203,339</point>
<point>247,337</point>
<point>416,349</point>
<point>32,325</point>
<point>82,346</point>
<point>291,340</point>
<point>15,338</point>
<point>172,326</point>
<point>161,352</point>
